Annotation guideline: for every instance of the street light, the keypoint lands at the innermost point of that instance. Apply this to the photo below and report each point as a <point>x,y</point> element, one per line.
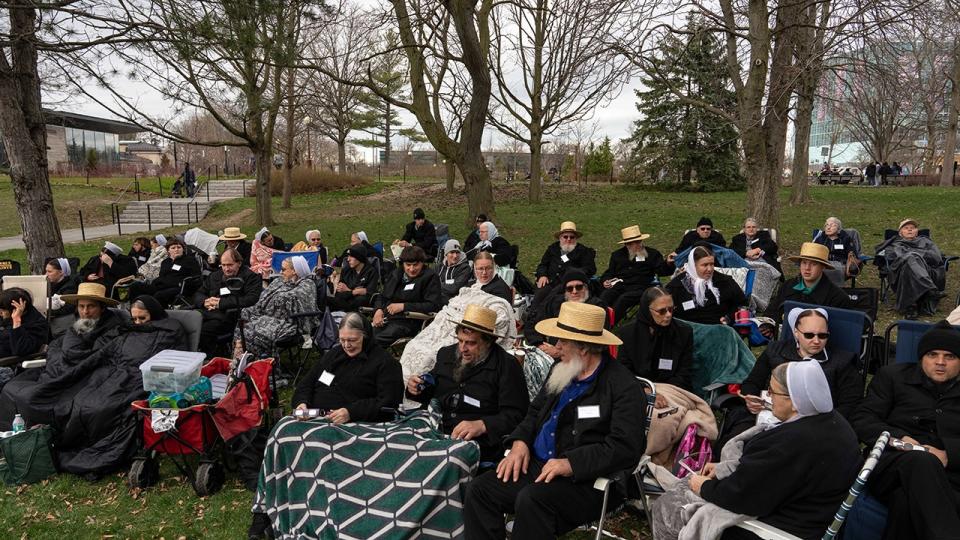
<point>306,122</point>
<point>225,150</point>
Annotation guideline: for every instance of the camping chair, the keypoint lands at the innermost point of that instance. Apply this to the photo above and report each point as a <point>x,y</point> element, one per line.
<point>312,257</point>
<point>442,235</point>
<point>883,268</point>
<point>191,321</point>
<point>857,247</point>
<point>769,532</point>
<point>9,267</point>
<point>38,287</point>
<point>908,338</point>
<point>850,330</point>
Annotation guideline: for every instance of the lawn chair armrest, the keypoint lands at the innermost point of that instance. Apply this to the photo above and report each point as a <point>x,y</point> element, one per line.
<point>31,364</point>
<point>419,316</point>
<point>10,361</point>
<point>766,532</point>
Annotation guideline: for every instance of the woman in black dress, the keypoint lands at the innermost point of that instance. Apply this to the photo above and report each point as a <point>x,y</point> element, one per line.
<point>702,295</point>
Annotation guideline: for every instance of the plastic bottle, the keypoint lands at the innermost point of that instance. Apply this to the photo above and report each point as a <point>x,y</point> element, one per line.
<point>18,424</point>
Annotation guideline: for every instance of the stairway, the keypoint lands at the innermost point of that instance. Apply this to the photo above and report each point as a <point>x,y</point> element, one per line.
<point>184,211</point>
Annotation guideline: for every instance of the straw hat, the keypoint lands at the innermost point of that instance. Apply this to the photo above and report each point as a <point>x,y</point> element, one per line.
<point>632,234</point>
<point>568,226</point>
<point>579,322</point>
<point>906,221</point>
<point>481,319</point>
<point>232,233</point>
<point>90,291</point>
<point>813,252</point>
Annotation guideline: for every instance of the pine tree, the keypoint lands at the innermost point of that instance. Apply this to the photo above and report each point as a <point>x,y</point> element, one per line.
<point>682,144</point>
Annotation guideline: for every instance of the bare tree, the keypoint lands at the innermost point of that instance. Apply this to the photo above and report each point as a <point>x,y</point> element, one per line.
<point>952,19</point>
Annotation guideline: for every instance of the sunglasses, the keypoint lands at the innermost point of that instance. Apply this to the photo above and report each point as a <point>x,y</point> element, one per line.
<point>568,236</point>
<point>575,288</point>
<point>664,311</point>
<point>811,335</point>
<point>704,228</point>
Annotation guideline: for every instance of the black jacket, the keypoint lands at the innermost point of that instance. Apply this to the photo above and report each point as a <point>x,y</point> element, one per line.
<point>637,274</point>
<point>553,266</point>
<point>596,447</point>
<point>425,237</point>
<point>33,333</point>
<point>902,400</point>
<point>691,238</point>
<point>421,294</point>
<point>826,293</point>
<point>364,384</point>
<point>497,385</point>
<point>666,357</point>
<point>66,285</point>
<point>453,278</point>
<point>170,277</point>
<point>731,298</point>
<point>244,248</point>
<point>839,247</point>
<point>763,240</point>
<point>497,287</point>
<point>215,284</point>
<point>472,240</point>
<point>549,308</point>
<point>366,279</point>
<point>501,250</point>
<point>139,257</point>
<point>793,476</point>
<point>122,267</point>
<point>846,384</point>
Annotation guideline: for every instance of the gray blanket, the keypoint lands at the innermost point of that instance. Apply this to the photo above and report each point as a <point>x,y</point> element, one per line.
<point>915,269</point>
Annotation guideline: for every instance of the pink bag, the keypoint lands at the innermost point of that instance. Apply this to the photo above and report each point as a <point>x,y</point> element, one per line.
<point>693,451</point>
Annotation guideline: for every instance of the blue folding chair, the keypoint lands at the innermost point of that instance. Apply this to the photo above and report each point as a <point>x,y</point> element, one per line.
<point>908,338</point>
<point>850,330</point>
<point>312,257</point>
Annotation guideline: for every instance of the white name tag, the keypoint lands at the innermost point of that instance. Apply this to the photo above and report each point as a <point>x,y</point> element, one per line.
<point>176,268</point>
<point>471,401</point>
<point>409,286</point>
<point>838,246</point>
<point>666,363</point>
<point>448,281</point>
<point>142,258</point>
<point>564,258</point>
<point>224,291</point>
<point>326,377</point>
<point>754,241</point>
<point>688,305</point>
<point>588,411</point>
<point>640,259</point>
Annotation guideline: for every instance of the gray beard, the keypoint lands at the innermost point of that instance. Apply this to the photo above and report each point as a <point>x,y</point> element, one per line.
<point>84,326</point>
<point>462,366</point>
<point>565,250</point>
<point>642,252</point>
<point>563,373</point>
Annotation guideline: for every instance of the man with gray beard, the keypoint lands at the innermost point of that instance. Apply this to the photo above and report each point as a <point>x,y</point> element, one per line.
<point>632,269</point>
<point>586,422</point>
<point>563,254</point>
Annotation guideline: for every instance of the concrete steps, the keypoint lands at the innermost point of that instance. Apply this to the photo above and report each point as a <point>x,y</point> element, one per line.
<point>183,211</point>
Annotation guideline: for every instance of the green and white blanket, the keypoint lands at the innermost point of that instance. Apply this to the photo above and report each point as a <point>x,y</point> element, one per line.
<point>390,480</point>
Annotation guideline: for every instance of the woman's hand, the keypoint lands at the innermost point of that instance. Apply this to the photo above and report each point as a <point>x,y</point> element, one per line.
<point>660,402</point>
<point>342,287</point>
<point>106,259</point>
<point>19,306</point>
<point>359,291</point>
<point>754,403</point>
<point>377,318</point>
<point>339,416</point>
<point>696,482</point>
<point>412,383</point>
<point>709,470</point>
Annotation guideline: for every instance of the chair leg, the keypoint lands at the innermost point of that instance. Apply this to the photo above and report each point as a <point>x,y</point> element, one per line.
<point>603,511</point>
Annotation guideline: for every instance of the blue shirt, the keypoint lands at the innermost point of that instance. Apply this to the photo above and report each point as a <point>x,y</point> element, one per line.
<point>545,445</point>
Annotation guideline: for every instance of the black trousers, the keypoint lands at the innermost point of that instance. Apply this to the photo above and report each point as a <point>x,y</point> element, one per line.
<point>621,298</point>
<point>540,510</point>
<point>216,333</point>
<point>395,329</point>
<point>922,502</point>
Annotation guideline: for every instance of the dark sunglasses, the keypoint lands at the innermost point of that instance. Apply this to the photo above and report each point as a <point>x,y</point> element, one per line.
<point>704,228</point>
<point>574,288</point>
<point>568,236</point>
<point>664,311</point>
<point>811,335</point>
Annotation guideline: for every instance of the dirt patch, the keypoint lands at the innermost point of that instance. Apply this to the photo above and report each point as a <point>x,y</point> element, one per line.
<point>233,220</point>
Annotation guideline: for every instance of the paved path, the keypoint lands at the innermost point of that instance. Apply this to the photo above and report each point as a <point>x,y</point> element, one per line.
<point>73,236</point>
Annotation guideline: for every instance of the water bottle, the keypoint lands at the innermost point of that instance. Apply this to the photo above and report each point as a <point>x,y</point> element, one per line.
<point>18,424</point>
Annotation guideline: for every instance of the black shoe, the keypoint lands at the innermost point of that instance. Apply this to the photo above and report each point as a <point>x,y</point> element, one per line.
<point>911,313</point>
<point>260,527</point>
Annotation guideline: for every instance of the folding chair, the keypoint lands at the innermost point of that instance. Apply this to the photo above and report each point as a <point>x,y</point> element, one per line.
<point>38,287</point>
<point>855,244</point>
<point>9,267</point>
<point>908,338</point>
<point>191,321</point>
<point>276,262</point>
<point>883,266</point>
<point>850,330</point>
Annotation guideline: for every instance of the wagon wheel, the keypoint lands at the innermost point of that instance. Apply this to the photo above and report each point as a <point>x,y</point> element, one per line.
<point>143,473</point>
<point>209,478</point>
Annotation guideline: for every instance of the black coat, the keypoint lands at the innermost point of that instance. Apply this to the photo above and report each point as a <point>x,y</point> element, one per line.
<point>170,277</point>
<point>244,248</point>
<point>66,285</point>
<point>501,250</point>
<point>214,286</point>
<point>826,293</point>
<point>423,296</point>
<point>793,476</point>
<point>497,385</point>
<point>839,247</point>
<point>497,287</point>
<point>425,237</point>
<point>596,447</point>
<point>731,298</point>
<point>548,309</point>
<point>553,266</point>
<point>763,240</point>
<point>364,384</point>
<point>33,333</point>
<point>453,278</point>
<point>902,400</point>
<point>691,238</point>
<point>366,279</point>
<point>472,240</point>
<point>666,357</point>
<point>636,274</point>
<point>122,267</point>
<point>840,368</point>
<point>139,257</point>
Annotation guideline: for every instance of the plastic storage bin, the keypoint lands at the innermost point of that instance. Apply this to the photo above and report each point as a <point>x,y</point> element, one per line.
<point>171,371</point>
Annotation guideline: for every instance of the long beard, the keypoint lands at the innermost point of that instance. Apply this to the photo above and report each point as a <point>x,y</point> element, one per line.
<point>462,365</point>
<point>84,326</point>
<point>565,249</point>
<point>634,253</point>
<point>563,372</point>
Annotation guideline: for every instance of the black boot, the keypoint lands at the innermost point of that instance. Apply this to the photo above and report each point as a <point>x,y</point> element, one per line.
<point>260,527</point>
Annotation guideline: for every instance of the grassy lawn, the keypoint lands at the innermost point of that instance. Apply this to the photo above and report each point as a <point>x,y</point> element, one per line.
<point>69,507</point>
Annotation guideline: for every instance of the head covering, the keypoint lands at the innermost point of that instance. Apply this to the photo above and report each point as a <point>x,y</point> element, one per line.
<point>579,322</point>
<point>418,213</point>
<point>452,245</point>
<point>481,319</point>
<point>301,265</point>
<point>942,337</point>
<point>362,236</point>
<point>491,230</point>
<point>632,234</point>
<point>643,314</point>
<point>112,248</point>
<point>64,266</point>
<point>259,236</point>
<point>161,239</point>
<point>153,306</point>
<point>232,233</point>
<point>705,221</point>
<point>312,231</point>
<point>357,251</point>
<point>808,388</point>
<point>811,251</point>
<point>481,217</point>
<point>413,254</point>
<point>906,221</point>
<point>570,227</point>
<point>700,285</point>
<point>795,314</point>
<point>90,291</point>
<point>575,274</point>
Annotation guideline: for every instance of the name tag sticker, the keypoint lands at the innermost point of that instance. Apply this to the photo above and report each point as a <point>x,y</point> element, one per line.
<point>838,246</point>
<point>754,241</point>
<point>142,258</point>
<point>588,411</point>
<point>176,268</point>
<point>666,363</point>
<point>564,258</point>
<point>449,281</point>
<point>640,259</point>
<point>224,291</point>
<point>326,377</point>
<point>409,286</point>
<point>688,305</point>
<point>471,401</point>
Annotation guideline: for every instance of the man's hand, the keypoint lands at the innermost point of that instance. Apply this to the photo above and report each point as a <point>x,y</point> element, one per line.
<point>211,303</point>
<point>753,253</point>
<point>542,281</point>
<point>468,430</point>
<point>359,291</point>
<point>709,470</point>
<point>754,403</point>
<point>339,416</point>
<point>554,468</point>
<point>766,330</point>
<point>607,284</point>
<point>696,481</point>
<point>660,402</point>
<point>342,287</point>
<point>550,350</point>
<point>941,455</point>
<point>378,318</point>
<point>412,383</point>
<point>395,308</point>
<point>516,462</point>
<point>672,257</point>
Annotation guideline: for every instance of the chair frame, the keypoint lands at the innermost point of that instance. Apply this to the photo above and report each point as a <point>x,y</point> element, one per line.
<point>880,261</point>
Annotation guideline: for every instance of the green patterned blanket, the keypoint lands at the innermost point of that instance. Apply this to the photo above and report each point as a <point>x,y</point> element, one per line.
<point>364,481</point>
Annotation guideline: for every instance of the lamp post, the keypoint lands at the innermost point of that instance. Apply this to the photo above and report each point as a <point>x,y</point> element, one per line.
<point>225,165</point>
<point>409,154</point>
<point>306,122</point>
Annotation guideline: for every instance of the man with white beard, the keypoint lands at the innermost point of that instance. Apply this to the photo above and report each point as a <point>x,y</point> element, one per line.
<point>632,269</point>
<point>586,422</point>
<point>564,254</point>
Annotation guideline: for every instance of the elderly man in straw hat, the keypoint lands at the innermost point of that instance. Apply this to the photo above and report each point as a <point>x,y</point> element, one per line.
<point>234,239</point>
<point>479,385</point>
<point>586,422</point>
<point>632,269</point>
<point>563,254</point>
<point>809,287</point>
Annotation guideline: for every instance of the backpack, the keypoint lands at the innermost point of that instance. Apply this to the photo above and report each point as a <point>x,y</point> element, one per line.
<point>693,451</point>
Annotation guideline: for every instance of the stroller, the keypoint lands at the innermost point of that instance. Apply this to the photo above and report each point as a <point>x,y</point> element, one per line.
<point>177,191</point>
<point>200,432</point>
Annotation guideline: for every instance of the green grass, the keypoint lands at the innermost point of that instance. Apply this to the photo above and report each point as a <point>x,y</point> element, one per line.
<point>83,510</point>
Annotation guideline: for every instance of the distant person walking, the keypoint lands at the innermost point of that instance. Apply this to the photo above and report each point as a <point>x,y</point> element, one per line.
<point>871,174</point>
<point>189,179</point>
<point>884,171</point>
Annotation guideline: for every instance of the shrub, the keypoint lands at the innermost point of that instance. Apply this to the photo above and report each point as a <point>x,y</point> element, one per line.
<point>305,181</point>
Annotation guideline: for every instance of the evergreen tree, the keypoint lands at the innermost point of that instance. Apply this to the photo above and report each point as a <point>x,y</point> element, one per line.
<point>682,144</point>
<point>599,160</point>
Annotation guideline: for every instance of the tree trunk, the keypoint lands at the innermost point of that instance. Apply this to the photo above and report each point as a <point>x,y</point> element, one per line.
<point>288,162</point>
<point>476,177</point>
<point>264,214</point>
<point>25,139</point>
<point>536,164</point>
<point>386,136</point>
<point>342,156</point>
<point>801,142</point>
<point>950,141</point>
<point>451,175</point>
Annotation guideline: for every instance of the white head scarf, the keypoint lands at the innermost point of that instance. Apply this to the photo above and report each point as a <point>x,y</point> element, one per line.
<point>700,285</point>
<point>311,231</point>
<point>64,266</point>
<point>491,231</point>
<point>808,388</point>
<point>362,236</point>
<point>301,266</point>
<point>260,234</point>
<point>161,239</point>
<point>795,314</point>
<point>113,248</point>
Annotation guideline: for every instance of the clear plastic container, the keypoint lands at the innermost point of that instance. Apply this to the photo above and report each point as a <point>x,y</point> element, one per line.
<point>171,371</point>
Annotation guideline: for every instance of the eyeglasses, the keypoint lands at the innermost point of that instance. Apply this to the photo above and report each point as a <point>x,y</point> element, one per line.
<point>575,288</point>
<point>704,228</point>
<point>350,341</point>
<point>811,335</point>
<point>568,236</point>
<point>664,310</point>
<point>772,393</point>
